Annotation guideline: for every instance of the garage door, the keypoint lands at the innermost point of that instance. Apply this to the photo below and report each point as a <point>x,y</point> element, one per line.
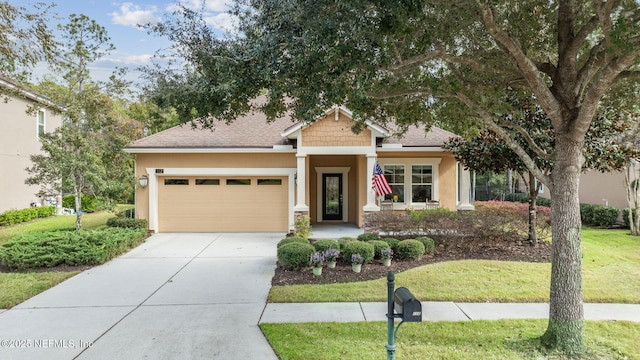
<point>222,204</point>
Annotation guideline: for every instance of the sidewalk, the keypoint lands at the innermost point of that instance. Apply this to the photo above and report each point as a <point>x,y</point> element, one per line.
<point>436,311</point>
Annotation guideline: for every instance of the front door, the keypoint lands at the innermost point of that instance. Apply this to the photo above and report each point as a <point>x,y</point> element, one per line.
<point>331,196</point>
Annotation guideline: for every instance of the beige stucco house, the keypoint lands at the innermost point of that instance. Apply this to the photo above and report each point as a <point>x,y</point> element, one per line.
<point>255,175</point>
<point>19,139</point>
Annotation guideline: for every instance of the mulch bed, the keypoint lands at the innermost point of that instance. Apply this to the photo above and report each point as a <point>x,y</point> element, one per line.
<point>506,251</point>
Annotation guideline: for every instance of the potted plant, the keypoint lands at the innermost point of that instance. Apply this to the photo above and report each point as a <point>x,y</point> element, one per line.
<point>356,262</point>
<point>316,261</point>
<point>330,255</point>
<point>386,255</point>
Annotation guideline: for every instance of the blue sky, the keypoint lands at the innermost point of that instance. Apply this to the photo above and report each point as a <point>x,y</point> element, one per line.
<point>134,47</point>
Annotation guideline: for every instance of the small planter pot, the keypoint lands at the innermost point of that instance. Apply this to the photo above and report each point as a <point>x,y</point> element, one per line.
<point>356,267</point>
<point>317,271</point>
<point>386,262</point>
<point>331,264</point>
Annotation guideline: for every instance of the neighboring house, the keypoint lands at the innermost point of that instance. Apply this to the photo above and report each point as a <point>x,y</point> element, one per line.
<point>19,139</point>
<point>257,176</point>
<point>600,189</point>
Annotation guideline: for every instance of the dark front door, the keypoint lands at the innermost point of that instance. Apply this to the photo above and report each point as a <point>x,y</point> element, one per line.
<point>331,196</point>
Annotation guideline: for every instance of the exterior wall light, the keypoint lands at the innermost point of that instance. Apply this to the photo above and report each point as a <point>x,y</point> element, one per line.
<point>143,180</point>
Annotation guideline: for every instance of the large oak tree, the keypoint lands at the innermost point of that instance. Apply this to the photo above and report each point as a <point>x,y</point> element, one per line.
<point>423,61</point>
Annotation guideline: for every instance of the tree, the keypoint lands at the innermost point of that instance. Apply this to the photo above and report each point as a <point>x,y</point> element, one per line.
<point>418,61</point>
<point>77,156</point>
<point>25,38</point>
<point>604,149</point>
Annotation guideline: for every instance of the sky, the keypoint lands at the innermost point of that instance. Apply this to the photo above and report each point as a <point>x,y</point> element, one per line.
<point>134,47</point>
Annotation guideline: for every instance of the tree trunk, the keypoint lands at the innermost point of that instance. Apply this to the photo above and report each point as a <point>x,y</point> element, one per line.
<point>533,196</point>
<point>78,202</point>
<point>631,181</point>
<point>565,330</point>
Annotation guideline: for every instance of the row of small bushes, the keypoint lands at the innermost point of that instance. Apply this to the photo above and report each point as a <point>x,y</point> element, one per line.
<point>128,223</point>
<point>524,198</point>
<point>12,217</point>
<point>599,215</point>
<point>294,252</point>
<point>84,247</point>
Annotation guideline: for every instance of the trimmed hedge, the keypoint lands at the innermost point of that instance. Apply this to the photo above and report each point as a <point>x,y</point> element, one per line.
<point>292,239</point>
<point>11,217</point>
<point>345,239</point>
<point>295,255</point>
<point>393,243</point>
<point>368,237</point>
<point>323,245</point>
<point>128,223</point>
<point>429,244</point>
<point>358,247</point>
<point>53,248</point>
<point>378,245</point>
<point>599,215</point>
<point>410,249</point>
<point>625,217</point>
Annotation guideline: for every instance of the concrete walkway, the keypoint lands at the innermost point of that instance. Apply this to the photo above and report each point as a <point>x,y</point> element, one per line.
<point>437,311</point>
<point>177,296</point>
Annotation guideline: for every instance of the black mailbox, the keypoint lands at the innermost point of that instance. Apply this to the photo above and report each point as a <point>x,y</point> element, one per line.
<point>407,306</point>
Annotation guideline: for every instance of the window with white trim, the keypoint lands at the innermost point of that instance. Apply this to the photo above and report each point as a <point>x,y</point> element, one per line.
<point>421,183</point>
<point>395,177</point>
<point>41,123</point>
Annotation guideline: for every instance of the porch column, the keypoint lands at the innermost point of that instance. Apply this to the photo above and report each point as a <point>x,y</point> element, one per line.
<point>465,190</point>
<point>301,195</point>
<point>371,195</point>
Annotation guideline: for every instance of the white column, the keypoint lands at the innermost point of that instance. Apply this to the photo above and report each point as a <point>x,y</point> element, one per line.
<point>465,190</point>
<point>371,196</point>
<point>301,183</point>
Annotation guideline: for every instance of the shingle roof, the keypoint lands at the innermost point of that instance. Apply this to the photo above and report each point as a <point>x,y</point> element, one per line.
<point>253,131</point>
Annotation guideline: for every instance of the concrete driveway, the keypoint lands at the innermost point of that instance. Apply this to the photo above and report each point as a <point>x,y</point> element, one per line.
<point>177,296</point>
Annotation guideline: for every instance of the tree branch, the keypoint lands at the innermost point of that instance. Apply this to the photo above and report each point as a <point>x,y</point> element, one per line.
<point>528,69</point>
<point>537,149</point>
<point>487,119</point>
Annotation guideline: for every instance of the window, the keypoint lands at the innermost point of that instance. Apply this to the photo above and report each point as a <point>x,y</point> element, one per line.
<point>207,181</point>
<point>421,183</point>
<point>238,181</point>
<point>176,181</point>
<point>269,181</point>
<point>395,177</point>
<point>41,124</point>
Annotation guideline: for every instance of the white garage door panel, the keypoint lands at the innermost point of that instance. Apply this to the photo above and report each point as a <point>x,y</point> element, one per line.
<point>223,208</point>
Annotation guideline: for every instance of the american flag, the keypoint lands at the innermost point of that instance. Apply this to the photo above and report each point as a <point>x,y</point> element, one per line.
<point>380,184</point>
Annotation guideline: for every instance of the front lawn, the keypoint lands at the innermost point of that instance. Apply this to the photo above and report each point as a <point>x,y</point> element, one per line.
<point>505,339</point>
<point>611,273</point>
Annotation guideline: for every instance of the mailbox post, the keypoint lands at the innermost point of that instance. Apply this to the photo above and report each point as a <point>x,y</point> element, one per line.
<point>400,304</point>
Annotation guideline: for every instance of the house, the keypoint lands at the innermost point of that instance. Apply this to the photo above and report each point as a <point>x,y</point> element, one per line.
<point>255,175</point>
<point>20,133</point>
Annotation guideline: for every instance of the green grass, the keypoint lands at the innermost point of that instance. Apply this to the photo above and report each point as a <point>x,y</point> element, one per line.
<point>505,339</point>
<point>611,273</point>
<point>17,287</point>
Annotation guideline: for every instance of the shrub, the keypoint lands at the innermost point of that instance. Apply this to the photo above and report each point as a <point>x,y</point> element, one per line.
<point>410,249</point>
<point>345,239</point>
<point>292,239</point>
<point>295,255</point>
<point>429,244</point>
<point>87,203</point>
<point>378,246</point>
<point>324,244</point>
<point>368,237</point>
<point>129,223</point>
<point>599,215</point>
<point>11,217</point>
<point>391,242</point>
<point>541,201</point>
<point>85,247</point>
<point>359,247</point>
<point>625,217</point>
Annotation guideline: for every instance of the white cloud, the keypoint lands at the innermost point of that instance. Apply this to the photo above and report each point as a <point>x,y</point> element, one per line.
<point>222,21</point>
<point>128,60</point>
<point>133,15</point>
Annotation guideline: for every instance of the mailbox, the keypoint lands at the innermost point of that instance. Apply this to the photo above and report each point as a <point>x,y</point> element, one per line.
<point>407,306</point>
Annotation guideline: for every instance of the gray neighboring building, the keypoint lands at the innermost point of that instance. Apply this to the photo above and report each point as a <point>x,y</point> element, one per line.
<point>19,139</point>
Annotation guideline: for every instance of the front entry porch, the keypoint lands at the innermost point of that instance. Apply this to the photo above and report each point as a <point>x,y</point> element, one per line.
<point>334,231</point>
